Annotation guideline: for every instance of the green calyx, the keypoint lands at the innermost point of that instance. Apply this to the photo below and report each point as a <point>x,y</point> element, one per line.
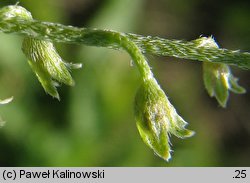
<point>47,65</point>
<point>42,56</point>
<point>218,79</point>
<point>14,12</point>
<point>156,119</point>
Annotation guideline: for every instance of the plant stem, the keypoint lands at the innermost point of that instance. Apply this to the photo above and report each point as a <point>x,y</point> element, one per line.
<point>115,40</point>
<point>191,50</point>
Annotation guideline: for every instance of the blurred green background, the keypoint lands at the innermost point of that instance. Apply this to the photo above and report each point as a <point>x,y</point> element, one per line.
<point>93,124</point>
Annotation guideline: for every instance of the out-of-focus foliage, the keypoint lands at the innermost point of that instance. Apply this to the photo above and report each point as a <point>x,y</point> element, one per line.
<point>93,124</point>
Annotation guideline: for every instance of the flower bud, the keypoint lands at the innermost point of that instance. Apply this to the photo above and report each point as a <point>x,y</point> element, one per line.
<point>47,64</point>
<point>14,11</point>
<point>218,80</point>
<point>156,118</point>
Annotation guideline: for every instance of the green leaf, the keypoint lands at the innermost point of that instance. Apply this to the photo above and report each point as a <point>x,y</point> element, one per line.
<point>156,118</point>
<point>219,80</point>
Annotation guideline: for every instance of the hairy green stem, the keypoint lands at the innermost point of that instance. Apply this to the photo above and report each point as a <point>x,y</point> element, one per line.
<point>156,117</point>
<point>69,34</point>
<point>138,58</point>
<point>115,40</point>
<point>191,50</point>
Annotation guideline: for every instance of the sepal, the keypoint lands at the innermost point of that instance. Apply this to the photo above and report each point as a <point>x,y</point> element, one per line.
<point>156,119</point>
